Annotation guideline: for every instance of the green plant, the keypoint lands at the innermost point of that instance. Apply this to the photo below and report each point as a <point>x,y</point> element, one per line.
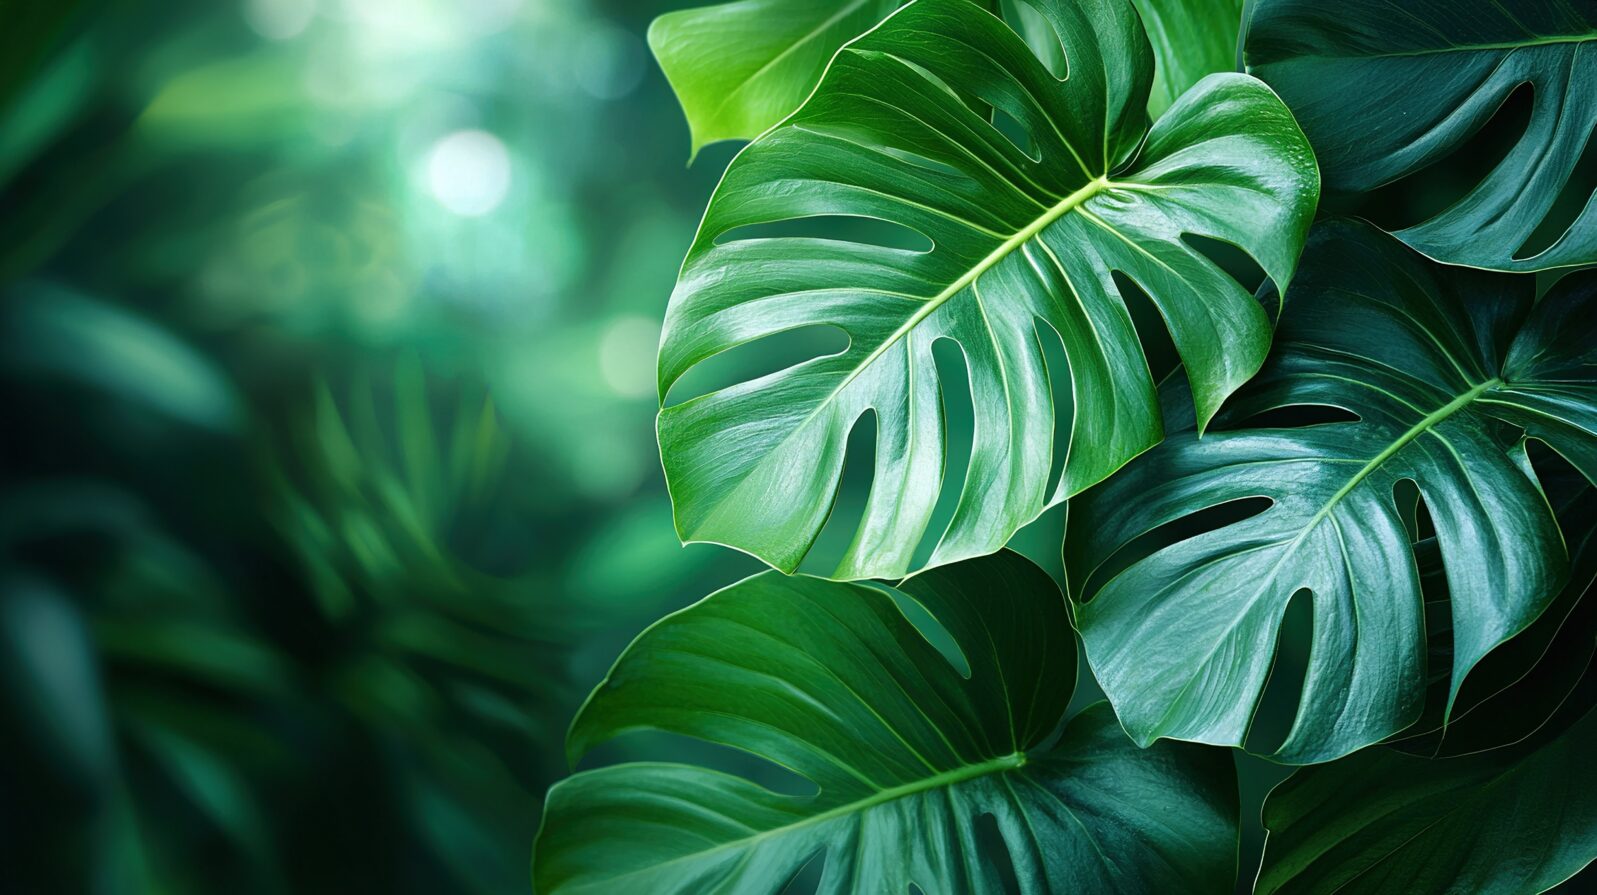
<point>1396,432</point>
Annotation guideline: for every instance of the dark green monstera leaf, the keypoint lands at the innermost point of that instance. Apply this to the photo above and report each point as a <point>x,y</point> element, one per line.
<point>1384,89</point>
<point>1446,370</point>
<point>910,750</point>
<point>1025,247</point>
<point>739,68</point>
<point>1506,822</point>
<point>1524,682</point>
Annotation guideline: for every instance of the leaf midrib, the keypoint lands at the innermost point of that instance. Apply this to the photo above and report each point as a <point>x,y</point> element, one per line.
<point>1002,251</point>
<point>1001,764</point>
<point>1430,421</point>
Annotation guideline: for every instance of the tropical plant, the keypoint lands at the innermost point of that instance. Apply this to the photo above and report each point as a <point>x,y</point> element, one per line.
<point>1397,432</point>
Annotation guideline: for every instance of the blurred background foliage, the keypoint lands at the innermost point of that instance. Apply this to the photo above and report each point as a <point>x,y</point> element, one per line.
<point>327,333</point>
<point>328,481</point>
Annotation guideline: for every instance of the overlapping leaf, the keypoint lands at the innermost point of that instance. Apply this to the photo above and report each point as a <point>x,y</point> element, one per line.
<point>1445,368</point>
<point>1384,89</point>
<point>1505,822</point>
<point>1514,690</point>
<point>738,68</point>
<point>1024,246</point>
<point>909,753</point>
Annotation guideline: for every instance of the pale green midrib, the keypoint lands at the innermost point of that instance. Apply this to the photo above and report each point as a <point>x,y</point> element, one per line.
<point>1064,206</point>
<point>1430,421</point>
<point>1024,235</point>
<point>1010,762</point>
<point>1424,425</point>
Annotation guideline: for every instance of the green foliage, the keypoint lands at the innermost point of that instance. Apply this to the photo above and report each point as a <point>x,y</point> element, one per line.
<point>1023,250</point>
<point>1447,370</point>
<point>328,359</point>
<point>1383,93</point>
<point>1505,821</point>
<point>833,682</point>
<point>1407,451</point>
<point>741,67</point>
<point>1191,39</point>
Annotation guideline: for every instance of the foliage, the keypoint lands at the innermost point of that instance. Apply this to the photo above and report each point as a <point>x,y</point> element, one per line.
<point>332,336</point>
<point>833,682</point>
<point>741,67</point>
<point>1424,86</point>
<point>1022,249</point>
<point>1447,371</point>
<point>1402,448</point>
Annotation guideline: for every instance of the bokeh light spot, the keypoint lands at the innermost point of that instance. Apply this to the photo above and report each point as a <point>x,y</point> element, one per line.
<point>279,19</point>
<point>626,355</point>
<point>468,172</point>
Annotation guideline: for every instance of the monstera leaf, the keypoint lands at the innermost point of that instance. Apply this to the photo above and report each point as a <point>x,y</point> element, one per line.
<point>1384,89</point>
<point>911,749</point>
<point>1446,369</point>
<point>1191,39</point>
<point>1519,685</point>
<point>1025,247</point>
<point>1505,822</point>
<point>740,67</point>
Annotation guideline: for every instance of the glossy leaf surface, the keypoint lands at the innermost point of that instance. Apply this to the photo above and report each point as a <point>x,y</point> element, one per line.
<point>1191,39</point>
<point>1505,822</point>
<point>1518,686</point>
<point>1445,369</point>
<point>1384,89</point>
<point>908,751</point>
<point>1025,248</point>
<point>738,68</point>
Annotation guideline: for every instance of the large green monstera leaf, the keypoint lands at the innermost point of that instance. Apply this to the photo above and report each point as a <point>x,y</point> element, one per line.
<point>1024,247</point>
<point>1446,370</point>
<point>738,68</point>
<point>911,749</point>
<point>1506,822</point>
<point>1385,88</point>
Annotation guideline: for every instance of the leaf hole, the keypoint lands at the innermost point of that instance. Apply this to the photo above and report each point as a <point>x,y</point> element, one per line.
<point>1431,190</point>
<point>1057,363</point>
<point>993,852</point>
<point>1299,416</point>
<point>1277,708</point>
<point>959,429</point>
<point>932,628</point>
<point>1016,133</point>
<point>1234,260</point>
<point>848,504</point>
<point>850,228</point>
<point>807,879</point>
<point>659,745</point>
<point>1039,34</point>
<point>1406,497</point>
<point>1206,520</point>
<point>1577,193</point>
<point>758,358</point>
<point>1158,347</point>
